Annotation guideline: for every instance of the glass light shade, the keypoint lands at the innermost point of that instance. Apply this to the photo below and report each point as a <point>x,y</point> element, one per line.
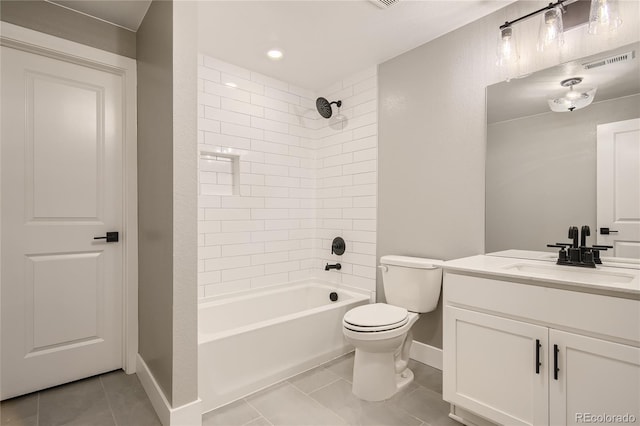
<point>507,47</point>
<point>551,29</point>
<point>572,100</point>
<point>604,16</point>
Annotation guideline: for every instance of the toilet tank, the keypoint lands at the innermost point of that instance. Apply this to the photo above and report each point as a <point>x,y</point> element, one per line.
<point>413,283</point>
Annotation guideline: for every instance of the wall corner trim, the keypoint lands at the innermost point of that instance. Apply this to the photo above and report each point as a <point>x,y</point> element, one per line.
<point>426,354</point>
<point>189,414</point>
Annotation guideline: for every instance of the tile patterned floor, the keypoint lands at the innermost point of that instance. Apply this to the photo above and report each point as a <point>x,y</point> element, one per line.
<point>112,399</point>
<point>321,396</point>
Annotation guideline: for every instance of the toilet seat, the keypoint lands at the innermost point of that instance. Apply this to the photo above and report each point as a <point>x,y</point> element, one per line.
<point>375,318</point>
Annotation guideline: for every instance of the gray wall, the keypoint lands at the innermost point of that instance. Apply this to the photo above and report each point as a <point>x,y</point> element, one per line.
<point>155,192</point>
<point>185,198</point>
<point>432,135</point>
<point>48,18</point>
<point>167,197</point>
<point>541,174</point>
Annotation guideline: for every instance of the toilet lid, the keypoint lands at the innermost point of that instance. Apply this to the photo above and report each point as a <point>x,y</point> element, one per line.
<point>377,316</point>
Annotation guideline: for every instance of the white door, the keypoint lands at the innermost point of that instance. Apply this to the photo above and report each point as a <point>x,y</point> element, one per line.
<point>62,184</point>
<point>618,194</point>
<point>595,378</point>
<point>490,367</point>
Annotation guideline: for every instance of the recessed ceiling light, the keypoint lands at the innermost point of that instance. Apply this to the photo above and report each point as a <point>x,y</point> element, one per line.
<point>275,54</point>
<point>231,84</point>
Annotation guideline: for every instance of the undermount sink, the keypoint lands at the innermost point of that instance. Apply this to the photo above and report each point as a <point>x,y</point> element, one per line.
<point>571,273</point>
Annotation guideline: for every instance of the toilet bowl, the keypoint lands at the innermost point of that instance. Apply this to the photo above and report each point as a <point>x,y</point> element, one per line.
<point>381,332</point>
<point>382,352</point>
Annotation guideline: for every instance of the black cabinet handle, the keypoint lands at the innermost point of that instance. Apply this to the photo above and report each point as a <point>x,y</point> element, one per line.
<point>111,237</point>
<point>538,345</point>
<point>556,369</point>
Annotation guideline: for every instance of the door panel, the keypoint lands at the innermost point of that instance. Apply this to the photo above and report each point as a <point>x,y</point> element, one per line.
<point>58,320</point>
<point>62,185</point>
<point>493,372</point>
<point>618,181</point>
<point>596,377</point>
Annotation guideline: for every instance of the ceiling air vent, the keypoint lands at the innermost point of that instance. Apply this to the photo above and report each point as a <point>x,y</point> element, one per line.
<point>612,60</point>
<point>384,4</point>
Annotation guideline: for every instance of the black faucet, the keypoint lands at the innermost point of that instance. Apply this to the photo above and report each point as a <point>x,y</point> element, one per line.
<point>584,233</point>
<point>336,266</point>
<point>574,255</point>
<point>573,233</point>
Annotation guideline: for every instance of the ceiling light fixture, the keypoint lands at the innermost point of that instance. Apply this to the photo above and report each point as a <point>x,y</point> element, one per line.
<point>573,99</point>
<point>275,54</point>
<point>604,16</point>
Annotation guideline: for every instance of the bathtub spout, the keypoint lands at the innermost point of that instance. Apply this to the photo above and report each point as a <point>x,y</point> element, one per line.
<point>336,266</point>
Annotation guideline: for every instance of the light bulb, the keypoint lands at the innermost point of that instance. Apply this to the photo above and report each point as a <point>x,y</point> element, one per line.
<point>572,95</point>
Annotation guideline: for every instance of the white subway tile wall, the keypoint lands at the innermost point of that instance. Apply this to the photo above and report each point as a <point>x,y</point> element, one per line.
<point>303,180</point>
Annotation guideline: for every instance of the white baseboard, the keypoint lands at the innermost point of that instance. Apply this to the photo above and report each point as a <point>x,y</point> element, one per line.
<point>426,354</point>
<point>186,415</point>
<point>467,417</point>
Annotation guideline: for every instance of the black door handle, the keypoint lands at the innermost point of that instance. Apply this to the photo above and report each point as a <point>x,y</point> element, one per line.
<point>538,345</point>
<point>111,237</point>
<point>607,231</point>
<point>556,369</point>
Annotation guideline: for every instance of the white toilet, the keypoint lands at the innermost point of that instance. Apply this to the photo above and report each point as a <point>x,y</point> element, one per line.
<point>381,332</point>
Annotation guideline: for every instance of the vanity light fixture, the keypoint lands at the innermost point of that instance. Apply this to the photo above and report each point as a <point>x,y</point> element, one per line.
<point>604,16</point>
<point>507,49</point>
<point>573,99</point>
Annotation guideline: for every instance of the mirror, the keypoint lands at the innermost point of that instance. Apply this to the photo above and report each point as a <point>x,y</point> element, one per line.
<point>541,165</point>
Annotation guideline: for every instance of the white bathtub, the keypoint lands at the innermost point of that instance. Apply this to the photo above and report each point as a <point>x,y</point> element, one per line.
<point>253,339</point>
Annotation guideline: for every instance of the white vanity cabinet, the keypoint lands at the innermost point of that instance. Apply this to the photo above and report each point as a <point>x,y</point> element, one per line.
<point>595,377</point>
<point>500,360</point>
<point>489,366</point>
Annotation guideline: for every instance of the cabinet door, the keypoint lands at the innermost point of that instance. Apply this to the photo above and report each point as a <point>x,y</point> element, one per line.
<point>490,367</point>
<point>595,378</point>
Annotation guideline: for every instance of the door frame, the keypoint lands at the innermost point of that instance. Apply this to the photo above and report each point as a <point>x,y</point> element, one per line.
<point>27,40</point>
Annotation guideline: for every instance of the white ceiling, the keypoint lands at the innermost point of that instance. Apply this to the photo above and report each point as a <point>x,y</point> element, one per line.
<point>124,13</point>
<point>324,41</point>
<point>528,96</point>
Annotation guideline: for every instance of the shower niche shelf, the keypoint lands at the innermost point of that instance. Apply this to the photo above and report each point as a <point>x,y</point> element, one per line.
<point>218,173</point>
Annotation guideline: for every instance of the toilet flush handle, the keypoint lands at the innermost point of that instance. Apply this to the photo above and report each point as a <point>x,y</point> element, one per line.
<point>383,268</point>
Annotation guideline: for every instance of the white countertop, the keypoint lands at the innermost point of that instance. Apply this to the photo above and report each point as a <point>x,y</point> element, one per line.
<point>618,262</point>
<point>622,282</point>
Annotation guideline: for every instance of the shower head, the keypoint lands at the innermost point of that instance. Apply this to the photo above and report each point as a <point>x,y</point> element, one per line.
<point>324,106</point>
